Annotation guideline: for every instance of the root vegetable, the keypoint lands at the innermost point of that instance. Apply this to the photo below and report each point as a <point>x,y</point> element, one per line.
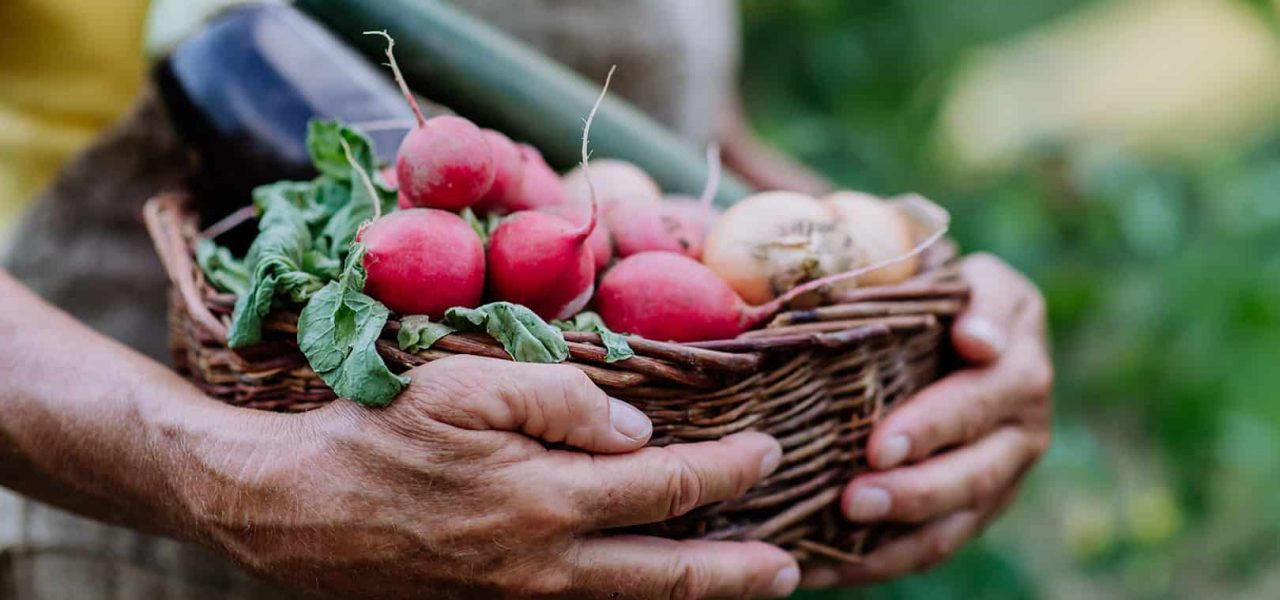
<point>878,232</point>
<point>653,227</point>
<point>601,240</point>
<point>508,174</point>
<point>444,162</point>
<point>540,186</point>
<point>423,262</point>
<point>697,214</point>
<point>670,297</point>
<point>615,183</point>
<point>671,226</point>
<point>770,242</point>
<point>543,261</point>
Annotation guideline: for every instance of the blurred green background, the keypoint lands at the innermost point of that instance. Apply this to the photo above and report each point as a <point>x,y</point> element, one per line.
<point>1126,155</point>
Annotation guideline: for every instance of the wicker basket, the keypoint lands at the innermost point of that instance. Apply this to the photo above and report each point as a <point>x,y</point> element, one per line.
<point>817,379</point>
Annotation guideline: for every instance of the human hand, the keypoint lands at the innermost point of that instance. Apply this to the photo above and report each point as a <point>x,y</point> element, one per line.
<point>448,493</point>
<point>950,459</point>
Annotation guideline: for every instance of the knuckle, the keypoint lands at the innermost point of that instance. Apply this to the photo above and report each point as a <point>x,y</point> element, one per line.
<point>550,516</point>
<point>1040,377</point>
<point>916,502</point>
<point>1040,444</point>
<point>934,551</point>
<point>520,583</point>
<point>551,584</point>
<point>688,580</point>
<point>575,381</point>
<point>984,487</point>
<point>977,418</point>
<point>685,488</point>
<point>985,261</point>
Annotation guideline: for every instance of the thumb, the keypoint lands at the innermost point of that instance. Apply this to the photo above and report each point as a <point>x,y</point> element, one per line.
<point>553,403</point>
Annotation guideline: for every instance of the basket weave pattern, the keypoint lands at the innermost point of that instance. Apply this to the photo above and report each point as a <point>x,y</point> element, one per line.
<point>817,380</point>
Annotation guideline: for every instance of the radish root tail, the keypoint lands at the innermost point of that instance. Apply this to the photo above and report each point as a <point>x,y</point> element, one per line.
<point>590,227</point>
<point>395,69</point>
<point>365,180</point>
<point>713,176</point>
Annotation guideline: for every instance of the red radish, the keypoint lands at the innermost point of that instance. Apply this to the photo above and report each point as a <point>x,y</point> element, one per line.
<point>643,227</point>
<point>615,182</point>
<point>666,296</point>
<point>543,261</point>
<point>540,187</point>
<point>423,262</point>
<point>601,240</point>
<point>664,226</point>
<point>419,261</point>
<point>444,162</point>
<point>697,214</point>
<point>508,174</point>
<point>669,296</point>
<point>388,175</point>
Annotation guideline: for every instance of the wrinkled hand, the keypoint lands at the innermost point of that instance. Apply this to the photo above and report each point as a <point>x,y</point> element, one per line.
<point>951,458</point>
<point>448,494</point>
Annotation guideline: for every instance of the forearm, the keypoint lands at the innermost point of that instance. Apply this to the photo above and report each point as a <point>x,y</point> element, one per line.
<point>93,427</point>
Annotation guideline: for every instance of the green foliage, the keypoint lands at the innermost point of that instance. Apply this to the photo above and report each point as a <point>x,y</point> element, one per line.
<point>338,332</point>
<point>275,262</point>
<point>304,256</point>
<point>616,346</point>
<point>419,333</point>
<point>523,334</point>
<point>223,270</point>
<point>1163,283</point>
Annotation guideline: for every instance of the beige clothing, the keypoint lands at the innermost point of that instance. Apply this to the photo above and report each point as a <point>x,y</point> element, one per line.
<point>83,248</point>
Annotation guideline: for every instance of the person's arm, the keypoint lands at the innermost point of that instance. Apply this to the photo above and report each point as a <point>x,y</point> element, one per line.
<point>93,427</point>
<point>450,491</point>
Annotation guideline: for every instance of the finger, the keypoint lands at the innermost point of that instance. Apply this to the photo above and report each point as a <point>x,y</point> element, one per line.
<point>918,551</point>
<point>656,484</point>
<point>997,296</point>
<point>554,403</point>
<point>642,567</point>
<point>962,407</point>
<point>971,477</point>
<point>826,575</point>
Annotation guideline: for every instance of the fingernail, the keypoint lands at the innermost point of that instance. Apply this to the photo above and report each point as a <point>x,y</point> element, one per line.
<point>868,504</point>
<point>893,451</point>
<point>770,462</point>
<point>629,421</point>
<point>983,330</point>
<point>785,582</point>
<point>820,578</point>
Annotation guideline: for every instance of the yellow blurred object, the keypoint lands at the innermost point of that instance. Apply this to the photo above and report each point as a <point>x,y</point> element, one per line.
<point>1088,526</point>
<point>68,68</point>
<point>1154,75</point>
<point>1153,516</point>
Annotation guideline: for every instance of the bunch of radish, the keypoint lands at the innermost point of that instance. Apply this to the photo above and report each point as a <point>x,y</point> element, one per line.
<point>604,236</point>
